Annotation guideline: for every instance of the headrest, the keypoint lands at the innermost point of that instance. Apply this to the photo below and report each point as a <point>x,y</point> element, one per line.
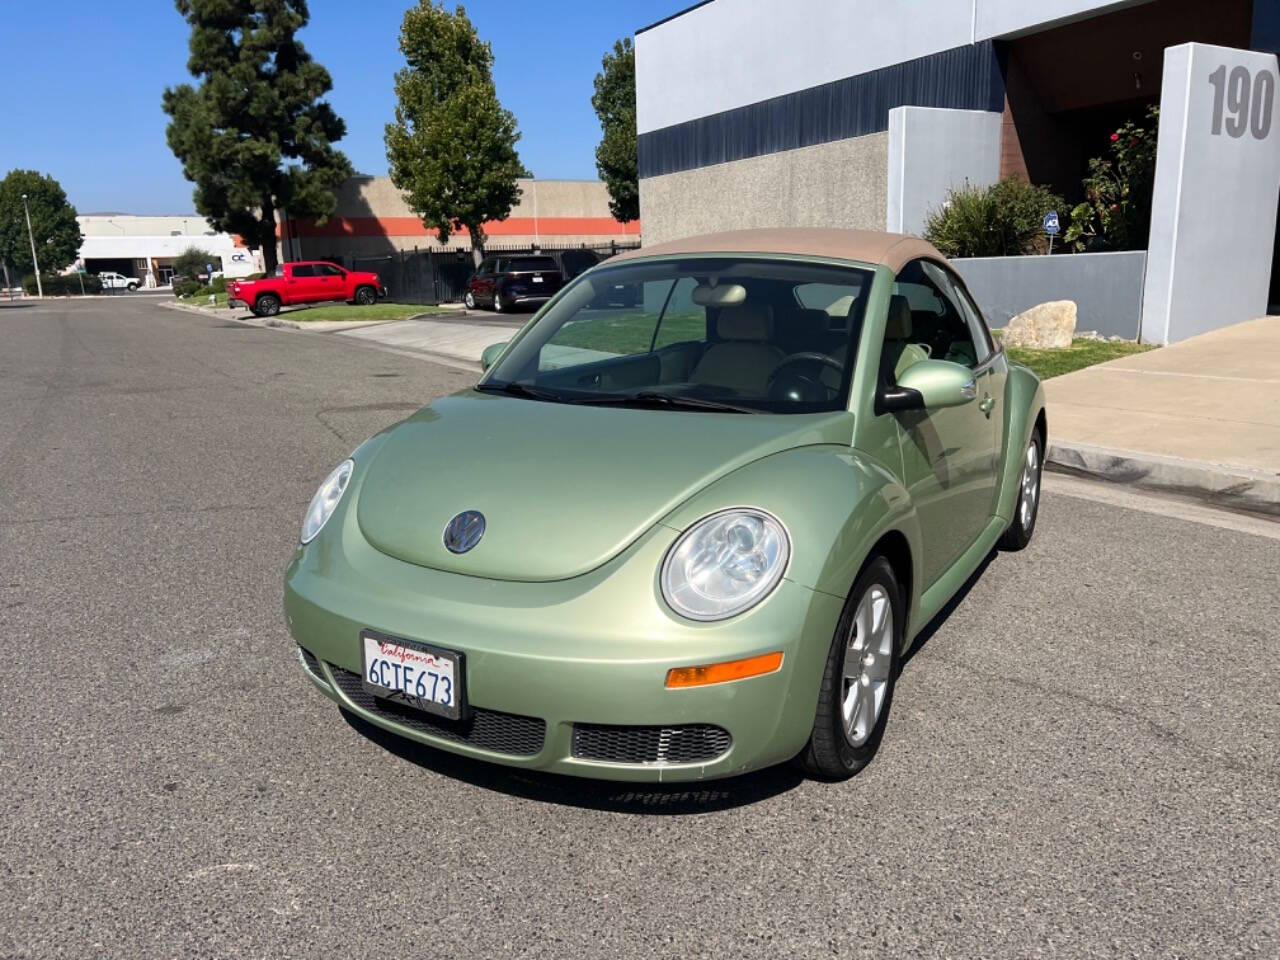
<point>898,325</point>
<point>745,322</point>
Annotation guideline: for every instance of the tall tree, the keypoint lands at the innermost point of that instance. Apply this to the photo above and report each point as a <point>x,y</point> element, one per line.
<point>257,106</point>
<point>53,223</point>
<point>615,105</point>
<point>452,147</point>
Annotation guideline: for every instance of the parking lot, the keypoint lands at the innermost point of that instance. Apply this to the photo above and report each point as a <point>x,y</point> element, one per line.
<point>1083,757</point>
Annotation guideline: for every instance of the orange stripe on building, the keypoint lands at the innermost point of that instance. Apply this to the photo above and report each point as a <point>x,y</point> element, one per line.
<point>512,226</point>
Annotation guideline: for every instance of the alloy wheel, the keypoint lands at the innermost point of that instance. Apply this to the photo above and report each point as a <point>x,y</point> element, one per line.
<point>1030,495</point>
<point>867,661</point>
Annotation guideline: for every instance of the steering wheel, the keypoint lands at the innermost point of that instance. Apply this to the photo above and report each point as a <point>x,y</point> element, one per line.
<point>809,356</point>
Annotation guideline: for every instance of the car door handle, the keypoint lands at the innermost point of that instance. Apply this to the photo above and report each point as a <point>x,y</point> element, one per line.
<point>987,405</point>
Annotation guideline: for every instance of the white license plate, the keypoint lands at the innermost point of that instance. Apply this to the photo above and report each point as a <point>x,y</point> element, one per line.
<point>537,279</point>
<point>412,673</point>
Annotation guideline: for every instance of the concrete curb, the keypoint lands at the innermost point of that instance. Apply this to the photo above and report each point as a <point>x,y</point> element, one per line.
<point>1236,487</point>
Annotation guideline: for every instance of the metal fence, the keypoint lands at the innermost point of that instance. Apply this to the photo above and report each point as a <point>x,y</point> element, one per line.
<point>440,276</point>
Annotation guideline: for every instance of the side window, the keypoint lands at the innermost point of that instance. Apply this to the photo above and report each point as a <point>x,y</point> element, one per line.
<point>978,330</point>
<point>928,315</point>
<point>304,270</point>
<point>327,270</point>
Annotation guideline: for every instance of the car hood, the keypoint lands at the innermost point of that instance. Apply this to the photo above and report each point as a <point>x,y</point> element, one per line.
<point>563,487</point>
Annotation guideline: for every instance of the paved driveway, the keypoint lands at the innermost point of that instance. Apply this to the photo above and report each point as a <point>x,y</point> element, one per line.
<point>1082,759</point>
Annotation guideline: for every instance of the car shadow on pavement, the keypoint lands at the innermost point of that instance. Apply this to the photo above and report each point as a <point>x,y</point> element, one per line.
<point>640,798</point>
<point>941,617</point>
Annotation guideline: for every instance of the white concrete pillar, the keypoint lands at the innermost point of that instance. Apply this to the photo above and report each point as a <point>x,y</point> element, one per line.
<point>1213,218</point>
<point>933,150</point>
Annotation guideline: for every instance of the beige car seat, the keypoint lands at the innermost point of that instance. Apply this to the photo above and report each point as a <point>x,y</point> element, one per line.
<point>744,357</point>
<point>899,352</point>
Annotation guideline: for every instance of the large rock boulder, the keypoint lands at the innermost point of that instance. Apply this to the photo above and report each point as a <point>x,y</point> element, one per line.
<point>1046,326</point>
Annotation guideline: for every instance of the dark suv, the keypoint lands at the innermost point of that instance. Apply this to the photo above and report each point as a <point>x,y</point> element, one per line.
<point>503,283</point>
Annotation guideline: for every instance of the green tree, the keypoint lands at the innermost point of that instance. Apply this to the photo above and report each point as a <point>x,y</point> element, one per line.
<point>257,106</point>
<point>53,223</point>
<point>452,147</point>
<point>192,262</point>
<point>615,104</point>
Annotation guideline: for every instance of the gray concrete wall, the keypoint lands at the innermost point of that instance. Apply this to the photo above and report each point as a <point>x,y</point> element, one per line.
<point>1213,216</point>
<point>838,184</point>
<point>933,150</point>
<point>1107,287</point>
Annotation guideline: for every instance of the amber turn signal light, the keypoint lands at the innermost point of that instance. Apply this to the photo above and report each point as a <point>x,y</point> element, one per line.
<point>722,672</point>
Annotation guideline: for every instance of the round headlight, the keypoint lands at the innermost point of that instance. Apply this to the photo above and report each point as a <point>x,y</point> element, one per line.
<point>725,564</point>
<point>326,500</point>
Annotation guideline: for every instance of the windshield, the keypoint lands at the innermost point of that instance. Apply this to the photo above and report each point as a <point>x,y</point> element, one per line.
<point>730,334</point>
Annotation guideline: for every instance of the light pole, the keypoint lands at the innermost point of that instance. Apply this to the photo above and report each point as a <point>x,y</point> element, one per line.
<point>35,262</point>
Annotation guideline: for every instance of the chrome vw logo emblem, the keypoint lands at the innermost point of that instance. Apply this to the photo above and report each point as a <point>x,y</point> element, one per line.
<point>464,531</point>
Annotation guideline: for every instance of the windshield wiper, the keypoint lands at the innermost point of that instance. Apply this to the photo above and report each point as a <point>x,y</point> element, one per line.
<point>646,398</point>
<point>524,390</point>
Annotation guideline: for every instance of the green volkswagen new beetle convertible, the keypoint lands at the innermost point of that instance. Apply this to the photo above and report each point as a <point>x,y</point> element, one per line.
<point>689,520</point>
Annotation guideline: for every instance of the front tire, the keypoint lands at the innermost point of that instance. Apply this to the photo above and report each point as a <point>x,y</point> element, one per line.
<point>366,297</point>
<point>469,301</point>
<point>1018,534</point>
<point>267,305</point>
<point>857,685</point>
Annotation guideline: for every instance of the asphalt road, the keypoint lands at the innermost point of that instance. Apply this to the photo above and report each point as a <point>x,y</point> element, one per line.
<point>1082,759</point>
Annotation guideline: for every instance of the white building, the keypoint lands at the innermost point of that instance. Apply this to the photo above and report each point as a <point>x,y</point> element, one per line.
<point>145,247</point>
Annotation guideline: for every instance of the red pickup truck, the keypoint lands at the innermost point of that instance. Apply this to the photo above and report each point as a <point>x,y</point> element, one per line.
<point>305,281</point>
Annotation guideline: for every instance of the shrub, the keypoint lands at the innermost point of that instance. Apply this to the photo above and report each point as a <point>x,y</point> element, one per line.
<point>218,285</point>
<point>1002,220</point>
<point>61,285</point>
<point>192,262</point>
<point>1116,213</point>
<point>188,288</point>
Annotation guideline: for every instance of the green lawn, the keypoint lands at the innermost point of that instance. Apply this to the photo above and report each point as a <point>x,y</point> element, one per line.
<point>1081,354</point>
<point>332,311</point>
<point>342,311</point>
<point>629,333</point>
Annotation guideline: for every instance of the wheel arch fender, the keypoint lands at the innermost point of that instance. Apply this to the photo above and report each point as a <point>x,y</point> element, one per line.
<point>1024,412</point>
<point>838,506</point>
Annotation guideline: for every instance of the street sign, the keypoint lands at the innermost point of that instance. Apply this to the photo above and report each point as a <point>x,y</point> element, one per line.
<point>1051,226</point>
<point>209,266</point>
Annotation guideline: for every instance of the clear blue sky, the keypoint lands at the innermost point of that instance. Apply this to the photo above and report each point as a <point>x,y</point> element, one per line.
<point>81,82</point>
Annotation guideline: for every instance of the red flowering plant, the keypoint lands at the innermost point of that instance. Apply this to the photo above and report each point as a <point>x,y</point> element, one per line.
<point>1116,212</point>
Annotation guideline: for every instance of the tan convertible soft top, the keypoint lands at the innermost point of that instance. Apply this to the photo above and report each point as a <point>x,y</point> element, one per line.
<point>894,250</point>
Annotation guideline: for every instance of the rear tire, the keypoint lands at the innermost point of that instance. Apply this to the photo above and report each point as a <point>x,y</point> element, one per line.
<point>132,287</point>
<point>1027,508</point>
<point>267,305</point>
<point>498,306</point>
<point>865,654</point>
<point>366,296</point>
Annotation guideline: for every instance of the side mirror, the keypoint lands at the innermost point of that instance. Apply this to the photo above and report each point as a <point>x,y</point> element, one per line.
<point>491,353</point>
<point>929,385</point>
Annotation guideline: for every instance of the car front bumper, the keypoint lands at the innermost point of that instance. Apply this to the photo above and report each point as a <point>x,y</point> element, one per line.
<point>566,676</point>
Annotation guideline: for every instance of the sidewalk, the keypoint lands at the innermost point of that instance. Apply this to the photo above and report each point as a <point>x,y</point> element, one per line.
<point>457,337</point>
<point>1202,416</point>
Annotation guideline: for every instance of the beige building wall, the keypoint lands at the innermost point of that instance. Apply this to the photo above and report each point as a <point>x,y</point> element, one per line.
<point>838,184</point>
<point>373,219</point>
